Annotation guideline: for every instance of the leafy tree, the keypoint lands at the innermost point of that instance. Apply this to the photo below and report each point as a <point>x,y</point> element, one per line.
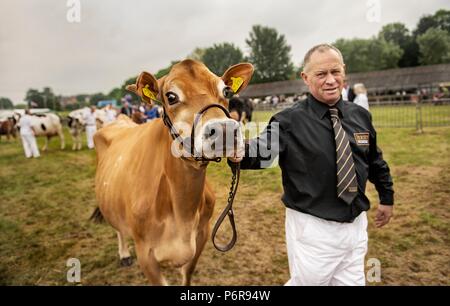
<point>6,103</point>
<point>361,55</point>
<point>33,95</point>
<point>399,34</point>
<point>115,94</point>
<point>197,54</point>
<point>434,46</point>
<point>164,71</point>
<point>270,54</point>
<point>97,97</point>
<point>440,20</point>
<point>221,56</point>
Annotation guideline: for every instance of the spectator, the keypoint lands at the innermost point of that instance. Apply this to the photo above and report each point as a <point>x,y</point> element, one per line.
<point>361,96</point>
<point>91,126</point>
<point>126,109</point>
<point>27,133</point>
<point>110,113</point>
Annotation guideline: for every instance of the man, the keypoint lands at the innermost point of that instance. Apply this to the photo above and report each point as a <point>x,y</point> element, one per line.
<point>91,126</point>
<point>327,151</point>
<point>126,109</point>
<point>152,112</point>
<point>27,133</point>
<point>347,92</point>
<point>110,114</point>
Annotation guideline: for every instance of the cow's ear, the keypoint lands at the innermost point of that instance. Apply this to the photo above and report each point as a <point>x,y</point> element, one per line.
<point>146,87</point>
<point>238,76</point>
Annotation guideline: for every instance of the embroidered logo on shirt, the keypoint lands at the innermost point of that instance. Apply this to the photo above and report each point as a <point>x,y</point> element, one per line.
<point>362,139</point>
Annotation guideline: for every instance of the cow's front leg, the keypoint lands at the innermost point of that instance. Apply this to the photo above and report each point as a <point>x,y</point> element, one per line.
<point>61,138</point>
<point>188,269</point>
<point>149,264</point>
<point>44,148</point>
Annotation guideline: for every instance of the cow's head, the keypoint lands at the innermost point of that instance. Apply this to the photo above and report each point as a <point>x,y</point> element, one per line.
<point>188,88</point>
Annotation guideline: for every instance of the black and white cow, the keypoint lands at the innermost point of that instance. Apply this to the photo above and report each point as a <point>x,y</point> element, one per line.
<point>46,124</point>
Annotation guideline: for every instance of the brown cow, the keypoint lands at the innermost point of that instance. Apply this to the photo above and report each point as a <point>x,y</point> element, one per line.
<point>163,202</point>
<point>8,128</point>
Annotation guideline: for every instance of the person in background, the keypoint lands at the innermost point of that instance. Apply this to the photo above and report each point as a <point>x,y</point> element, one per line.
<point>152,112</point>
<point>347,92</point>
<point>91,127</point>
<point>361,96</point>
<point>110,113</point>
<point>27,133</point>
<point>126,109</point>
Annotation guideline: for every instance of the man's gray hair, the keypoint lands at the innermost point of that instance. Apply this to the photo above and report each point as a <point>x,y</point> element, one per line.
<point>320,48</point>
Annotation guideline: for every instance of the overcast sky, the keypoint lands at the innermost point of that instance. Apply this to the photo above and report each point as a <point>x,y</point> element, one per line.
<point>118,39</point>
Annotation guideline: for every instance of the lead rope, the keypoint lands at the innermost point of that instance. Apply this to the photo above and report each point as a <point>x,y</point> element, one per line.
<point>228,211</point>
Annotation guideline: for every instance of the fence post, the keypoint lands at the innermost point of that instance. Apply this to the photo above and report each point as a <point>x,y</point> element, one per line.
<point>419,116</point>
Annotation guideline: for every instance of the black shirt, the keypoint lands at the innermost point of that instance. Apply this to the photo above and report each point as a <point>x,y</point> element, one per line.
<point>307,158</point>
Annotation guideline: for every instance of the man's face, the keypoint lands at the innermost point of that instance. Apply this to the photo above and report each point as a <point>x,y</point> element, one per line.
<point>324,75</point>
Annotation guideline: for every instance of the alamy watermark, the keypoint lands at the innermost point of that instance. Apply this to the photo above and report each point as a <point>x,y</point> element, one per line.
<point>74,11</point>
<point>74,273</point>
<point>373,14</point>
<point>374,270</point>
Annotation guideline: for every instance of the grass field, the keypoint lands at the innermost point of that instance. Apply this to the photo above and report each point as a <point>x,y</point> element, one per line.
<point>45,204</point>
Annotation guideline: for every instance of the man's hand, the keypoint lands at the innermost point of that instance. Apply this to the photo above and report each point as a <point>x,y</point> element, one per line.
<point>235,159</point>
<point>384,214</point>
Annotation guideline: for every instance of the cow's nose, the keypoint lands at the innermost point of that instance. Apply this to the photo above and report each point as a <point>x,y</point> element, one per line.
<point>215,129</point>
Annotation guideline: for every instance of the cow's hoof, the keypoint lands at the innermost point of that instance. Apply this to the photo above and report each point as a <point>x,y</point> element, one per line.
<point>126,262</point>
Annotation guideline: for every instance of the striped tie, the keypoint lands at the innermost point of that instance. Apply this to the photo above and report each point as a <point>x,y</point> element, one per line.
<point>347,186</point>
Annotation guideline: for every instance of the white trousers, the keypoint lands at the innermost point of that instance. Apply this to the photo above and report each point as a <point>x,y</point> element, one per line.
<point>90,131</point>
<point>325,253</point>
<point>30,146</point>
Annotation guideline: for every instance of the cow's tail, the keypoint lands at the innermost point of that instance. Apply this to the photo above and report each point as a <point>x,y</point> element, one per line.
<point>97,216</point>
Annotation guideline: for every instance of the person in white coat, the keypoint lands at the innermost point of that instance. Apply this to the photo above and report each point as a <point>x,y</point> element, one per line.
<point>361,95</point>
<point>27,134</point>
<point>91,127</point>
<point>110,114</point>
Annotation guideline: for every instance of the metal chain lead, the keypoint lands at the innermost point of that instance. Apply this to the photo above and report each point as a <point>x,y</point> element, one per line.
<point>228,211</point>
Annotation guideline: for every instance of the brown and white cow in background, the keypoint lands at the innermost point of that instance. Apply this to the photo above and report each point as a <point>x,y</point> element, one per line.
<point>76,123</point>
<point>47,125</point>
<point>8,128</point>
<point>163,202</point>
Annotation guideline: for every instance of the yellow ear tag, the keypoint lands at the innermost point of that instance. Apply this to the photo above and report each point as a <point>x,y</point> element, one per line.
<point>148,93</point>
<point>237,83</point>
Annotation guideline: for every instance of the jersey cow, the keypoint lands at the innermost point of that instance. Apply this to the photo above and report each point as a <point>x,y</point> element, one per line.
<point>147,192</point>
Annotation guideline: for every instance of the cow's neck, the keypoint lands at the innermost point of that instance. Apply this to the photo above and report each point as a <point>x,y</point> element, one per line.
<point>186,179</point>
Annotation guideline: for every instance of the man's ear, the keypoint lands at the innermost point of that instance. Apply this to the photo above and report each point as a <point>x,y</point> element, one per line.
<point>146,87</point>
<point>238,76</point>
<point>305,78</point>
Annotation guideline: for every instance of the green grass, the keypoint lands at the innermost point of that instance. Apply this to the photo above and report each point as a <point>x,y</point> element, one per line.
<point>396,115</point>
<point>45,204</point>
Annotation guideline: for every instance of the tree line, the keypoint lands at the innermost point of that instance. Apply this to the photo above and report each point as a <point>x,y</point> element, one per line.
<point>394,46</point>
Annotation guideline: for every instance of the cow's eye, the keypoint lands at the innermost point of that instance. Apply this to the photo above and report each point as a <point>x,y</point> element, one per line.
<point>228,92</point>
<point>172,97</point>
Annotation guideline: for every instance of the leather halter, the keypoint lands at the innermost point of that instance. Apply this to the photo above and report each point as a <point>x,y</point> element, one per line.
<point>176,136</point>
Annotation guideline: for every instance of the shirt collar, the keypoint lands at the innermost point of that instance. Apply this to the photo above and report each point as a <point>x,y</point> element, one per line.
<point>321,109</point>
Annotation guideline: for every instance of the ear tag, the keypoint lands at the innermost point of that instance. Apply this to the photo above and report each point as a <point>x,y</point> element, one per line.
<point>148,93</point>
<point>237,83</point>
